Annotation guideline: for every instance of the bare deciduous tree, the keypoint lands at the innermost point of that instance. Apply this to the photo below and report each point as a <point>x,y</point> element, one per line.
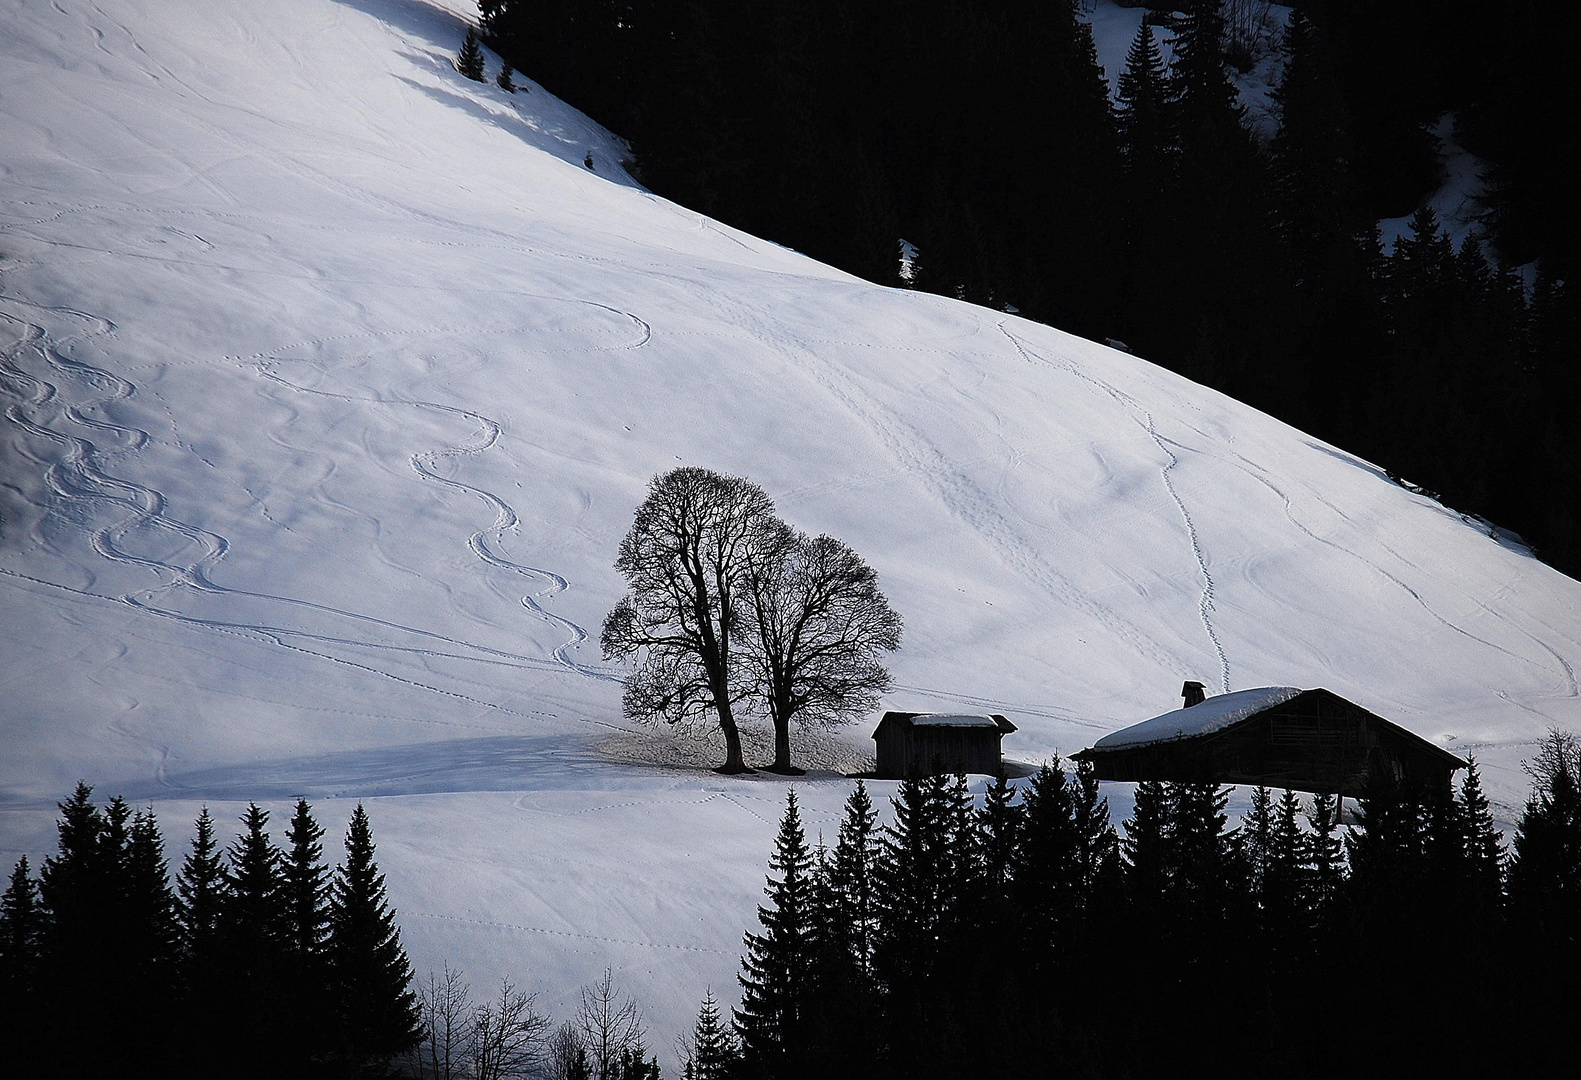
<point>610,1026</point>
<point>813,634</point>
<point>506,1035</point>
<point>445,1014</point>
<point>495,1040</point>
<point>683,561</point>
<point>565,1056</point>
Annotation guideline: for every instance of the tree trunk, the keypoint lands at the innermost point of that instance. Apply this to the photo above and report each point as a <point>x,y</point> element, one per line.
<point>734,762</point>
<point>782,760</point>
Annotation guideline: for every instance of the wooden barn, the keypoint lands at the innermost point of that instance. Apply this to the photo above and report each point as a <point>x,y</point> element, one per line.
<point>914,744</point>
<point>1279,736</point>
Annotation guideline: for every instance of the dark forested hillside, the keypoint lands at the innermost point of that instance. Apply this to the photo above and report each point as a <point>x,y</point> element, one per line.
<point>984,134</point>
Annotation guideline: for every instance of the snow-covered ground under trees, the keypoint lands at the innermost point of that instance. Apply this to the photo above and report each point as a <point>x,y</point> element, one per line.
<point>331,381</point>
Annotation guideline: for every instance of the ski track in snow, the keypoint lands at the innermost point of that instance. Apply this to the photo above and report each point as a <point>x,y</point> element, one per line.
<point>505,517</point>
<point>1145,421</point>
<point>80,474</point>
<point>919,458</point>
<point>1566,671</point>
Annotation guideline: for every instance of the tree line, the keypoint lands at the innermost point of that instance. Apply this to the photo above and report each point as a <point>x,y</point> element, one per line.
<point>1023,935</point>
<point>985,135</point>
<point>731,607</point>
<point>256,961</point>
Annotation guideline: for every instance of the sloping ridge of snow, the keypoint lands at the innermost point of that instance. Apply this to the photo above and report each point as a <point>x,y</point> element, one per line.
<point>1212,714</point>
<point>331,380</point>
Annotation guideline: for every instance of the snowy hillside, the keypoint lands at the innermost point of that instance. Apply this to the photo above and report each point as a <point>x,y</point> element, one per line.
<point>331,381</point>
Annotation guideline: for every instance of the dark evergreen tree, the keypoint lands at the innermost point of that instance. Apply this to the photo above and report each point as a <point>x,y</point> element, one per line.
<point>1545,868</point>
<point>1286,881</point>
<point>1258,830</point>
<point>370,976</point>
<point>21,956</point>
<point>304,886</point>
<point>77,887</point>
<point>1047,874</point>
<point>21,932</point>
<point>1147,848</point>
<point>1484,863</point>
<point>772,1020</point>
<point>470,60</point>
<point>1326,854</point>
<point>1099,869</point>
<point>712,1053</point>
<point>856,901</point>
<point>200,889</point>
<point>304,882</point>
<point>999,827</point>
<point>504,81</point>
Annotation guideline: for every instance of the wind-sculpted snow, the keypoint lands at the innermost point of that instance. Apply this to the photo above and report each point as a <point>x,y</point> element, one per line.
<point>329,382</point>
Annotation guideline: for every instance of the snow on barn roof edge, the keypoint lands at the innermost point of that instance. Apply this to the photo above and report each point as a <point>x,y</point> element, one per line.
<point>1212,714</point>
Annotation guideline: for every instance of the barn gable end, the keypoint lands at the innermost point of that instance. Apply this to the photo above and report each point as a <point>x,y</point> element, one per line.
<point>913,745</point>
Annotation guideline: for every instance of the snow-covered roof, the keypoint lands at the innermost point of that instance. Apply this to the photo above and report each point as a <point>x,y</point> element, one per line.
<point>954,720</point>
<point>1213,714</point>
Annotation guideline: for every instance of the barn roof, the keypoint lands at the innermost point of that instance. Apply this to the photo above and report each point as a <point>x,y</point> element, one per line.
<point>988,721</point>
<point>1280,736</point>
<point>1213,714</point>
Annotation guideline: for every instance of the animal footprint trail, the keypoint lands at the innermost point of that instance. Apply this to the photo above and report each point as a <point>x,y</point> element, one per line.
<point>1144,419</point>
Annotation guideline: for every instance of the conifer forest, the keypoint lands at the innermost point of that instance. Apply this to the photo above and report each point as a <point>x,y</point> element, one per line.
<point>984,135</point>
<point>1407,938</point>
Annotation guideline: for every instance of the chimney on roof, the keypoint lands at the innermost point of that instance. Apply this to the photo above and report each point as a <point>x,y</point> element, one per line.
<point>1192,692</point>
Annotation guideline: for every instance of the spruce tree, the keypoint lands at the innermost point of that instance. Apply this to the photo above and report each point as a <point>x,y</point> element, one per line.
<point>470,60</point>
<point>1545,868</point>
<point>200,888</point>
<point>1147,847</point>
<point>712,1053</point>
<point>254,919</point>
<point>304,882</point>
<point>999,829</point>
<point>504,81</point>
<point>304,886</point>
<point>852,877</point>
<point>1046,874</point>
<point>1285,881</point>
<point>1484,847</point>
<point>1326,853</point>
<point>1258,829</point>
<point>771,1021</point>
<point>1099,869</point>
<point>374,1006</point>
<point>151,907</point>
<point>21,928</point>
<point>21,940</point>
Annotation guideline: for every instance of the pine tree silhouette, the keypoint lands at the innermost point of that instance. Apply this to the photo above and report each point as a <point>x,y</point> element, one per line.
<point>771,1021</point>
<point>470,60</point>
<point>504,81</point>
<point>200,888</point>
<point>374,1005</point>
<point>999,829</point>
<point>304,886</point>
<point>712,1053</point>
<point>21,958</point>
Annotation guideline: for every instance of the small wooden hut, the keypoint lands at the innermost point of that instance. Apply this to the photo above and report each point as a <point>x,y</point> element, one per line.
<point>914,744</point>
<point>1278,736</point>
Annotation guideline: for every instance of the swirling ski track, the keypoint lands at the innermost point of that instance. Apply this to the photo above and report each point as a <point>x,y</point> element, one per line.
<point>81,473</point>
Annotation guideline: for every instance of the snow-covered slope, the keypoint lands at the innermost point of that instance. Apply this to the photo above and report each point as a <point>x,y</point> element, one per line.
<point>331,381</point>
